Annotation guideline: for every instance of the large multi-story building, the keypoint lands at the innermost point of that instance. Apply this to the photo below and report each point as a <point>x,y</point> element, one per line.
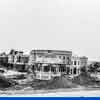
<point>61,62</point>
<point>50,63</point>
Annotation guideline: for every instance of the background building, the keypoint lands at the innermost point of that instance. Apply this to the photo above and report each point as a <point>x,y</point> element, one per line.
<point>17,60</point>
<point>84,61</point>
<point>75,66</point>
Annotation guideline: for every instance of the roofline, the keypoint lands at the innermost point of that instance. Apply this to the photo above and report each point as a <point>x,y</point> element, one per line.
<point>52,50</point>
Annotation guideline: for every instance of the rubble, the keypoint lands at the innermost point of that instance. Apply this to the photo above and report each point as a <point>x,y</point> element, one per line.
<point>84,79</point>
<point>6,83</point>
<point>57,82</point>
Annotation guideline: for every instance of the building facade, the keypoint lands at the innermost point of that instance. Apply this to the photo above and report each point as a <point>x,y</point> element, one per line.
<point>3,60</point>
<point>50,56</point>
<point>73,63</point>
<point>50,63</point>
<point>46,63</point>
<point>75,66</point>
<point>17,60</point>
<point>84,61</point>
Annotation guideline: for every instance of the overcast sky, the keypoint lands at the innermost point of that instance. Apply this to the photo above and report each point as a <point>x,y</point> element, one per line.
<point>51,24</point>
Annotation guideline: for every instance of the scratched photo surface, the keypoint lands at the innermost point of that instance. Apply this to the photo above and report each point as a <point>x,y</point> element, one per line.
<point>50,48</point>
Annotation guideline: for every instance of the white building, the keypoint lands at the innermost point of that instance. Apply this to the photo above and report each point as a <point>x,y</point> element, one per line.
<point>75,66</point>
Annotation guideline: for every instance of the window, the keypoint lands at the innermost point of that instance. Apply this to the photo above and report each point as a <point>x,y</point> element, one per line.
<point>68,70</point>
<point>75,70</point>
<point>74,62</point>
<point>19,59</point>
<point>68,61</point>
<point>46,68</point>
<point>64,57</point>
<point>39,68</point>
<point>53,69</point>
<point>33,68</point>
<point>62,69</point>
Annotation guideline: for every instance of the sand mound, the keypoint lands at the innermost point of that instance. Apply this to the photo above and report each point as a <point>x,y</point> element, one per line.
<point>57,82</point>
<point>61,82</point>
<point>84,79</point>
<point>5,83</point>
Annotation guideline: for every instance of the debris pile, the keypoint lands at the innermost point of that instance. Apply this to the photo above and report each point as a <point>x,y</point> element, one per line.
<point>61,82</point>
<point>57,82</point>
<point>84,79</point>
<point>6,83</point>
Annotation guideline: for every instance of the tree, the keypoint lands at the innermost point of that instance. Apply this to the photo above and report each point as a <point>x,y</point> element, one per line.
<point>3,53</point>
<point>11,51</point>
<point>95,67</point>
<point>83,69</point>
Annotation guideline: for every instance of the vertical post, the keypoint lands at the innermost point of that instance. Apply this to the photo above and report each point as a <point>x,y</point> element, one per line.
<point>42,71</point>
<point>72,71</point>
<point>50,72</point>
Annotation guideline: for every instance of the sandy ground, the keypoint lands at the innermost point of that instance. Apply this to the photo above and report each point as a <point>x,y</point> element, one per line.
<point>53,93</point>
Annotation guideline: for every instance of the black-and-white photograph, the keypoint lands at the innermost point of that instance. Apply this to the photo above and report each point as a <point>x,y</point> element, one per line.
<point>50,48</point>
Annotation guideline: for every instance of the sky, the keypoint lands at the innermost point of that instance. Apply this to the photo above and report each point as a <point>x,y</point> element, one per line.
<point>51,24</point>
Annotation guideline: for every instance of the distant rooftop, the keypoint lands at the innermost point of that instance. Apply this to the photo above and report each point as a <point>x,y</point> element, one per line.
<point>50,51</point>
